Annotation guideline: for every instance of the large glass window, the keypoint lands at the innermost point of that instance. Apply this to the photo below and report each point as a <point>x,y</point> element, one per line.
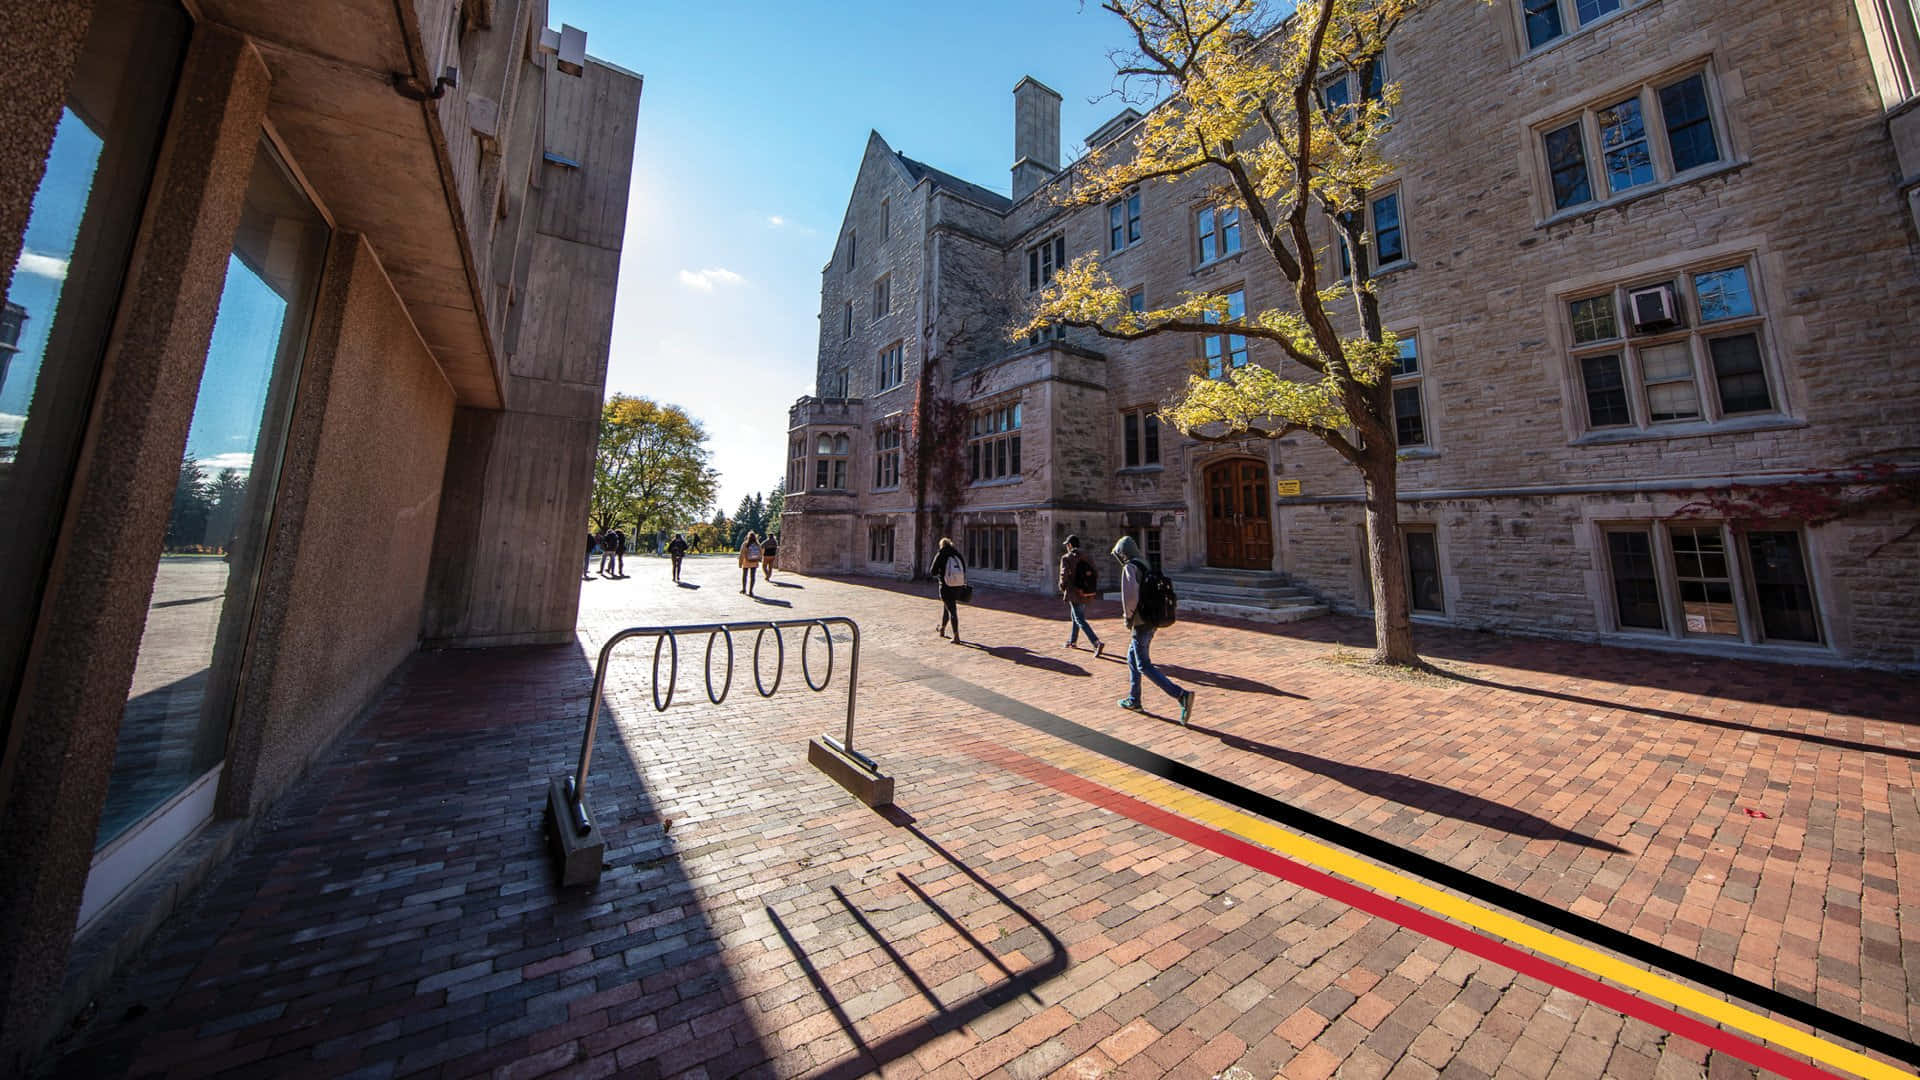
<point>60,301</point>
<point>1626,141</point>
<point>174,728</point>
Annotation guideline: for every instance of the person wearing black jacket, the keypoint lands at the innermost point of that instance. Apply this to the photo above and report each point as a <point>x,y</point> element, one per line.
<point>1072,580</point>
<point>947,557</point>
<point>677,550</point>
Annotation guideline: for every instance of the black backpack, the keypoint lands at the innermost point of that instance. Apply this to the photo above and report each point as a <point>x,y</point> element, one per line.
<point>1157,600</point>
<point>1086,578</point>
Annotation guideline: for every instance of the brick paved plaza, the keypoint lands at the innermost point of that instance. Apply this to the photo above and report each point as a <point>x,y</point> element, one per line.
<point>398,916</point>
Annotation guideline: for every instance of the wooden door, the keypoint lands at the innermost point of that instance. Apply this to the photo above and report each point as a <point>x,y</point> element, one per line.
<point>1239,524</point>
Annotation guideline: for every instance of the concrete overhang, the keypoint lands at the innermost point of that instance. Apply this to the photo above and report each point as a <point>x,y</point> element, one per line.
<point>378,160</point>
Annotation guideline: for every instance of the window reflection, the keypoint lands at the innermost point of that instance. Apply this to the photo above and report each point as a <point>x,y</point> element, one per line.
<point>175,725</point>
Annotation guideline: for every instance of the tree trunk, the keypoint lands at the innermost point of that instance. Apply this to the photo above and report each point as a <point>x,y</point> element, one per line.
<point>1387,558</point>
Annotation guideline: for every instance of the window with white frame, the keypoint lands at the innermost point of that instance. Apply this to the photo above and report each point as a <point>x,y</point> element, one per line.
<point>882,296</point>
<point>993,443</point>
<point>1218,231</point>
<point>830,462</point>
<point>1688,348</point>
<point>1651,135</point>
<point>892,366</point>
<point>1044,260</point>
<point>886,457</point>
<point>1546,21</point>
<point>1384,233</point>
<point>1340,91</point>
<point>993,547</point>
<point>1123,221</point>
<point>880,543</point>
<point>1710,580</point>
<point>1224,352</point>
<point>1140,437</point>
<point>1409,412</point>
<point>1137,298</point>
<point>846,321</point>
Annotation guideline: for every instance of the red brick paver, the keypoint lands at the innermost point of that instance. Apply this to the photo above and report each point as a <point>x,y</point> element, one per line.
<point>754,920</point>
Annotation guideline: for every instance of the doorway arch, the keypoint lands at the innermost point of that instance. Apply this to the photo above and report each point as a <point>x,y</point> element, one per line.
<point>1239,515</point>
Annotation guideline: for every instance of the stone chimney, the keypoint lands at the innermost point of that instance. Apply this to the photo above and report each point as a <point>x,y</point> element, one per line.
<point>1036,136</point>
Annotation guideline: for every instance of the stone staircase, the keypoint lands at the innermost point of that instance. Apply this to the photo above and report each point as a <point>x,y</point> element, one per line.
<point>1256,595</point>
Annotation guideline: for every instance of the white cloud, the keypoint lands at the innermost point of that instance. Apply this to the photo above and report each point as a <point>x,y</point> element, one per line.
<point>705,280</point>
<point>776,221</point>
<point>240,463</point>
<point>46,266</point>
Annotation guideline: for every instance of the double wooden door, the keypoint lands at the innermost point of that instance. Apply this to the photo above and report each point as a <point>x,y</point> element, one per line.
<point>1239,519</point>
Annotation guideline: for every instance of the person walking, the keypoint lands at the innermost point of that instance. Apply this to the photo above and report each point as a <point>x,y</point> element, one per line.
<point>619,553</point>
<point>1133,575</point>
<point>606,553</point>
<point>950,570</point>
<point>750,555</point>
<point>677,550</point>
<point>1079,585</point>
<point>767,551</point>
<point>593,545</point>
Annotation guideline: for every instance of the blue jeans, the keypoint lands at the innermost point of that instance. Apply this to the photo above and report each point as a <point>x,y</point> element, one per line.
<point>1138,661</point>
<point>1077,617</point>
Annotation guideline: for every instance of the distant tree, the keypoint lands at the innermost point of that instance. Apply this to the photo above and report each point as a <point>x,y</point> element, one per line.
<point>751,516</point>
<point>709,536</point>
<point>192,501</point>
<point>226,494</point>
<point>776,505</point>
<point>651,469</point>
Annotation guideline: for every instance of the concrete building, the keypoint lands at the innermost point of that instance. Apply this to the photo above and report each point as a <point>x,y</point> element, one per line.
<point>1653,266</point>
<point>307,320</point>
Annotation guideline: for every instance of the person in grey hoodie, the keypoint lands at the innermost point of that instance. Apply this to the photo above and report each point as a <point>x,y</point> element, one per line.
<point>1133,570</point>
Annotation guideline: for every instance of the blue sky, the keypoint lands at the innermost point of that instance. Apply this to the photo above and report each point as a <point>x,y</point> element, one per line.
<point>752,122</point>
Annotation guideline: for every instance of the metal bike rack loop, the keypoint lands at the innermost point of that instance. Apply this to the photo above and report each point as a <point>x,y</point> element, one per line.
<point>580,844</point>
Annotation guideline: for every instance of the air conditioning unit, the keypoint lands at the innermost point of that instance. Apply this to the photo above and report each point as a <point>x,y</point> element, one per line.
<point>1652,308</point>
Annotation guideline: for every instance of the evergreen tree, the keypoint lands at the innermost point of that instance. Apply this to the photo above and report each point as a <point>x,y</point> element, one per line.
<point>192,499</point>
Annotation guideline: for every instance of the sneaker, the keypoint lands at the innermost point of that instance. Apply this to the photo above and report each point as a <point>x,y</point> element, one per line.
<point>1131,705</point>
<point>1099,650</point>
<point>1186,707</point>
<point>1073,644</point>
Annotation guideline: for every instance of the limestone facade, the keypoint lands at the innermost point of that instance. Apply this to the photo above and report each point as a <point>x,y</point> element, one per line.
<point>1594,357</point>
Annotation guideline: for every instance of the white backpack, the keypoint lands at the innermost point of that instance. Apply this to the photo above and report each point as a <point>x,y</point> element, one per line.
<point>955,574</point>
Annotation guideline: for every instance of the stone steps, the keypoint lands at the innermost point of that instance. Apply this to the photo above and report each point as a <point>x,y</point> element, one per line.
<point>1259,596</point>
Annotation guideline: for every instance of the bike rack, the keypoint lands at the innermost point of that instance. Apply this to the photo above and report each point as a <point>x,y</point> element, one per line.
<point>581,847</point>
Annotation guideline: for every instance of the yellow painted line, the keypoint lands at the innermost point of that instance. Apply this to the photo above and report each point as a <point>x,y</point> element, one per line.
<point>1170,796</point>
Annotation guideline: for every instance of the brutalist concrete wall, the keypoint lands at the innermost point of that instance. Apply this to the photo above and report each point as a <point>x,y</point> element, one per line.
<point>341,593</point>
<point>95,602</point>
<point>507,548</point>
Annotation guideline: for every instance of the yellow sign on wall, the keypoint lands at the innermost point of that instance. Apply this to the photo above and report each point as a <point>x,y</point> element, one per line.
<point>1286,487</point>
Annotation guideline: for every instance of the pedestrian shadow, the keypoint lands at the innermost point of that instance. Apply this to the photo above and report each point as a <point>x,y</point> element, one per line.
<point>1026,657</point>
<point>1217,681</point>
<point>1414,793</point>
<point>770,602</point>
<point>686,584</point>
<point>785,585</point>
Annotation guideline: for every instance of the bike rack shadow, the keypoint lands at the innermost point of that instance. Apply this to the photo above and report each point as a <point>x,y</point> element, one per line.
<point>870,1058</point>
<point>580,846</point>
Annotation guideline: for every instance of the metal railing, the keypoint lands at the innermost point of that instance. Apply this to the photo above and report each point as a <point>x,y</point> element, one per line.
<point>668,638</point>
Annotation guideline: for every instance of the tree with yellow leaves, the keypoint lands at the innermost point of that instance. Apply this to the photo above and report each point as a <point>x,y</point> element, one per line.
<point>1245,109</point>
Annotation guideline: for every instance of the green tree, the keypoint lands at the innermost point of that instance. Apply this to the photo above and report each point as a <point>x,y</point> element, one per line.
<point>776,505</point>
<point>651,470</point>
<point>192,499</point>
<point>225,496</point>
<point>1245,109</point>
<point>750,516</point>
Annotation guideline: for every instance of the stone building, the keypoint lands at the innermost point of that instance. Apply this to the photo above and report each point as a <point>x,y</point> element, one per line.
<point>307,320</point>
<point>1653,267</point>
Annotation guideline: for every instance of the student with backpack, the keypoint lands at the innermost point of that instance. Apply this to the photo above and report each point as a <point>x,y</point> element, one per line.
<point>950,570</point>
<point>1147,603</point>
<point>1079,584</point>
<point>750,554</point>
<point>677,550</point>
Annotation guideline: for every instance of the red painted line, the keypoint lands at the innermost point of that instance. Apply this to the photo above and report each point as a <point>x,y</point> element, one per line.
<point>1392,910</point>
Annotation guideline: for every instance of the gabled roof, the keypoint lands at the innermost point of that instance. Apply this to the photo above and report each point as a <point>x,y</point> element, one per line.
<point>920,170</point>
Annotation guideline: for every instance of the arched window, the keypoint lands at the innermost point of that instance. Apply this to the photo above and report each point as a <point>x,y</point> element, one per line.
<point>830,463</point>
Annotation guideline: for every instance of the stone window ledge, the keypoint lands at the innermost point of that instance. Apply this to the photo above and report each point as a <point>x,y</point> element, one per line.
<point>1585,209</point>
<point>1612,437</point>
